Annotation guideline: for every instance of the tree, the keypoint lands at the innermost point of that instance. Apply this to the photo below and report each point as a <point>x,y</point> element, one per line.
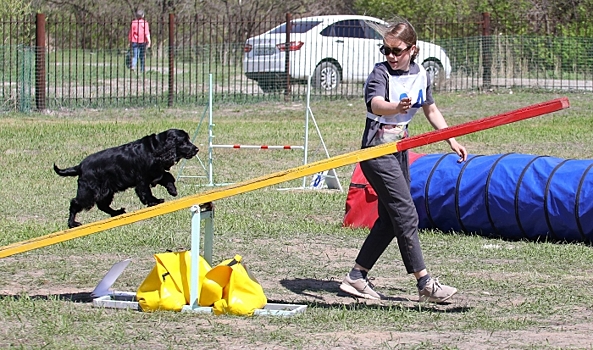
<point>548,17</point>
<point>17,9</point>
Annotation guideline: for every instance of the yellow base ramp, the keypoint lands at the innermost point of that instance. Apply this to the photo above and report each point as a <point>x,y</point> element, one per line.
<point>287,175</point>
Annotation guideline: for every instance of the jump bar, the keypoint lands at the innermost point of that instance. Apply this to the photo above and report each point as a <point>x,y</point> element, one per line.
<point>258,147</point>
<point>287,175</point>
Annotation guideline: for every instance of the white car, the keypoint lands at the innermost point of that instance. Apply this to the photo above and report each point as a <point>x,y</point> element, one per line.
<point>330,50</point>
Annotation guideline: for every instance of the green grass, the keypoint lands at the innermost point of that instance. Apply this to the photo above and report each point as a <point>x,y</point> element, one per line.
<point>513,294</point>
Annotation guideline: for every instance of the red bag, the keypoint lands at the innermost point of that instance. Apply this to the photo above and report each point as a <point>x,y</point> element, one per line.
<point>361,202</point>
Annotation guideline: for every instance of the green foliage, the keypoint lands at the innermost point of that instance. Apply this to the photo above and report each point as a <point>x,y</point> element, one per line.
<point>516,17</point>
<point>416,11</point>
<point>550,54</point>
<point>14,8</point>
<point>512,12</point>
<point>526,56</point>
<point>20,10</point>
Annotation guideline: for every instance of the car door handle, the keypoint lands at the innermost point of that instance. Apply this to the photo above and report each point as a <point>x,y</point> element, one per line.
<point>340,41</point>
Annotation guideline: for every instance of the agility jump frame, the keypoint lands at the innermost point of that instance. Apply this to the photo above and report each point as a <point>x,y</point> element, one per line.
<point>305,147</point>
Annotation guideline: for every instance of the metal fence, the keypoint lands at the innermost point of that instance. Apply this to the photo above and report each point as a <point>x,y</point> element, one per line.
<point>61,62</point>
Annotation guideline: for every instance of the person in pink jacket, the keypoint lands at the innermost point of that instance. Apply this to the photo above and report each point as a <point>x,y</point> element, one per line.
<point>139,38</point>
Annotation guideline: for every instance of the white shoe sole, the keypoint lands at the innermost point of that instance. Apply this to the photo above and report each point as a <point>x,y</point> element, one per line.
<point>436,300</point>
<point>344,287</point>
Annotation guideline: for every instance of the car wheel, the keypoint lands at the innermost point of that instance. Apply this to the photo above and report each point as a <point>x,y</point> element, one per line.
<point>327,76</point>
<point>435,71</point>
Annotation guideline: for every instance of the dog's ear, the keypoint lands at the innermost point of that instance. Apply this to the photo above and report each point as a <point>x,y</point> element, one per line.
<point>165,150</point>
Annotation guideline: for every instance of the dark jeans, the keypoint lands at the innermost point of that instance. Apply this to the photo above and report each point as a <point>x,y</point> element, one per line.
<point>390,177</point>
<point>138,55</point>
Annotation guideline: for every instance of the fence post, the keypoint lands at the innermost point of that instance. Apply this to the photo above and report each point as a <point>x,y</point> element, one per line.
<point>40,62</point>
<point>171,59</point>
<point>486,51</point>
<point>287,57</point>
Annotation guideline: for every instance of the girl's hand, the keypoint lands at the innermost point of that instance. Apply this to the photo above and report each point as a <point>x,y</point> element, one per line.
<point>404,105</point>
<point>459,149</point>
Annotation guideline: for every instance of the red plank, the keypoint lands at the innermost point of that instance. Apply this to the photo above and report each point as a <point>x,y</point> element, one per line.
<point>484,123</point>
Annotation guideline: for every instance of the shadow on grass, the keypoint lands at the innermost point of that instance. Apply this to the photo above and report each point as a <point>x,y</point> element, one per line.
<point>418,307</point>
<point>81,297</point>
<point>303,286</point>
<point>312,288</point>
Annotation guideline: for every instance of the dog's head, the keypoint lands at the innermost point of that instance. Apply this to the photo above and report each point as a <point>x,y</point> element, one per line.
<point>185,148</point>
<point>174,145</point>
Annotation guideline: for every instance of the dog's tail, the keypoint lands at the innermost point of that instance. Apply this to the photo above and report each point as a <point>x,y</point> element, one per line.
<point>73,171</point>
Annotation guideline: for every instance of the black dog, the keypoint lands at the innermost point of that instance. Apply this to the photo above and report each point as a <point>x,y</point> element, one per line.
<point>141,164</point>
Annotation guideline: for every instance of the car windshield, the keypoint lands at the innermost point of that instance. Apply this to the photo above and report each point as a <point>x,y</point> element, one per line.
<point>351,28</point>
<point>296,27</point>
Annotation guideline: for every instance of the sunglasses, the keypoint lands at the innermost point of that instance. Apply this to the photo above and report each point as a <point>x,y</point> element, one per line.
<point>396,51</point>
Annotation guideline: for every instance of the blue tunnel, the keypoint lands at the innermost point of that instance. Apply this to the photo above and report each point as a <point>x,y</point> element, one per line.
<point>512,196</point>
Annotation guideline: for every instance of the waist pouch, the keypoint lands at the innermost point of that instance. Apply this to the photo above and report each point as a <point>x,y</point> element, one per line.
<point>390,133</point>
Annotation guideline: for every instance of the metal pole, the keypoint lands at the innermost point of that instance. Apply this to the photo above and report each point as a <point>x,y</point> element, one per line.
<point>308,110</point>
<point>195,256</point>
<point>171,59</point>
<point>287,57</point>
<point>40,97</point>
<point>486,51</point>
<point>210,134</point>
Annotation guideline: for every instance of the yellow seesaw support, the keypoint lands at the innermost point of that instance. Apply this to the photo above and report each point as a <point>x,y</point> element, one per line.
<point>287,175</point>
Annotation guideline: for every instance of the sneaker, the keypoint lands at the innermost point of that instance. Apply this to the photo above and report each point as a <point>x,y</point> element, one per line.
<point>435,292</point>
<point>361,287</point>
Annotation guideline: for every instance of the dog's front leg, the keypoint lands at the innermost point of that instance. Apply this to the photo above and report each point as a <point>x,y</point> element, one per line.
<point>105,206</point>
<point>168,182</point>
<point>145,195</point>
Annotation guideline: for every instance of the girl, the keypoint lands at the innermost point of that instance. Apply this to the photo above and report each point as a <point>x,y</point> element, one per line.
<point>394,91</point>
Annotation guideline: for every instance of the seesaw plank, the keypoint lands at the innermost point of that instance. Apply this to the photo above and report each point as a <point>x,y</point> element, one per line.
<point>287,175</point>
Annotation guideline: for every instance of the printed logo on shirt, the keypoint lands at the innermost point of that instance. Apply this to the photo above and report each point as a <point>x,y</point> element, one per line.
<point>401,86</point>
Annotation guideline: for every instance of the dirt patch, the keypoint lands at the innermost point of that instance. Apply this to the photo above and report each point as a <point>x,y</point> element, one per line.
<point>308,270</point>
